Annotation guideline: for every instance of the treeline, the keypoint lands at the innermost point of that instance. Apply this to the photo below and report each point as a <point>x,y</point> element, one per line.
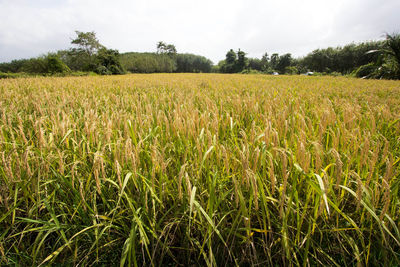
<point>236,62</point>
<point>165,60</point>
<point>88,55</point>
<point>161,62</point>
<point>378,59</point>
<point>343,60</point>
<point>147,62</point>
<point>49,64</point>
<point>375,59</point>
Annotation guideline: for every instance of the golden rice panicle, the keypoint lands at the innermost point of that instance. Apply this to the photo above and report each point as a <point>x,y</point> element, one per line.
<point>338,168</point>
<point>201,169</point>
<point>317,157</point>
<point>386,186</point>
<point>272,175</point>
<point>284,174</point>
<point>181,173</point>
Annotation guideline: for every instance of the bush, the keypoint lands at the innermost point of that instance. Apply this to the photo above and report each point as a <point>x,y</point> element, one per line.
<point>292,70</point>
<point>365,71</point>
<point>35,66</point>
<point>55,65</point>
<point>13,66</point>
<point>251,71</point>
<point>335,73</point>
<point>102,70</point>
<point>109,62</point>
<point>4,75</point>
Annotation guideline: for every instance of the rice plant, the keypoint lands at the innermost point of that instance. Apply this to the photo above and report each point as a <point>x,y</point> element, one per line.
<point>199,169</point>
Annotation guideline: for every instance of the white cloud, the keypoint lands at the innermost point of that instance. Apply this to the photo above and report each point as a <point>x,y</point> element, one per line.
<point>208,27</point>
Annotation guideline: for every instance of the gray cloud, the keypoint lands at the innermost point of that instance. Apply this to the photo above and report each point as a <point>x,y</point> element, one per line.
<point>209,27</point>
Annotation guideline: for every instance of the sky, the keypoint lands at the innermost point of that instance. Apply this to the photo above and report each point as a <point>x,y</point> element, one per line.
<point>29,28</point>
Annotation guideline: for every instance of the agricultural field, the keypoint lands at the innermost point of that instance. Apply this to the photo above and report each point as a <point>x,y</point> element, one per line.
<point>199,169</point>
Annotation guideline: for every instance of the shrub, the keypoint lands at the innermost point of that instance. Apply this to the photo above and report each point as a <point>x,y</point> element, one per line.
<point>365,70</point>
<point>292,70</point>
<point>55,65</point>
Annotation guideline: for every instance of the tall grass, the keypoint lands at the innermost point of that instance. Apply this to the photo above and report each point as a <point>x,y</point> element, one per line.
<point>199,170</point>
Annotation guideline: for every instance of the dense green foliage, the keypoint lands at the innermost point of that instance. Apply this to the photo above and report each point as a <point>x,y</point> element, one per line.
<point>78,60</point>
<point>147,62</point>
<point>163,48</point>
<point>234,62</point>
<point>388,64</point>
<point>341,59</point>
<point>48,64</point>
<point>373,59</point>
<point>14,66</point>
<point>237,62</point>
<point>365,71</point>
<point>192,63</point>
<point>4,75</point>
<point>90,55</point>
<point>164,63</point>
<point>108,62</point>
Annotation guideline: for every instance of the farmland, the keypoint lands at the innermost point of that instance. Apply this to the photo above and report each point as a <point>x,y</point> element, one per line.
<point>199,169</point>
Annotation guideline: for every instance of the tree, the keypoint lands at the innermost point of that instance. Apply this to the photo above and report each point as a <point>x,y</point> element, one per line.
<point>390,67</point>
<point>171,49</point>
<point>163,48</point>
<point>13,66</point>
<point>265,62</point>
<point>234,62</point>
<point>35,66</point>
<point>192,63</point>
<point>340,59</point>
<point>229,65</point>
<point>47,64</point>
<point>87,41</point>
<point>55,64</point>
<point>230,57</point>
<point>255,64</point>
<point>147,62</point>
<point>83,56</point>
<point>291,70</point>
<point>284,61</point>
<point>387,65</point>
<point>274,60</point>
<point>108,62</point>
<point>89,55</point>
<point>242,61</point>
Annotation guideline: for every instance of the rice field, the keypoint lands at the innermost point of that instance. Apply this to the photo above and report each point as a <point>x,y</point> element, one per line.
<point>199,170</point>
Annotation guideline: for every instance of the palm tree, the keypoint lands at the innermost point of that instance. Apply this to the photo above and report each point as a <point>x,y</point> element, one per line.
<point>392,56</point>
<point>388,65</point>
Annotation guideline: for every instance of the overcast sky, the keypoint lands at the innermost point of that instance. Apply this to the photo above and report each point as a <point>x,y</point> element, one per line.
<point>29,28</point>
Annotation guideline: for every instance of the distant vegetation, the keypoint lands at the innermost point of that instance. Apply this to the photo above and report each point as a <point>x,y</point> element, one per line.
<point>87,55</point>
<point>166,60</point>
<point>340,59</point>
<point>154,62</point>
<point>192,63</point>
<point>147,62</point>
<point>374,59</point>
